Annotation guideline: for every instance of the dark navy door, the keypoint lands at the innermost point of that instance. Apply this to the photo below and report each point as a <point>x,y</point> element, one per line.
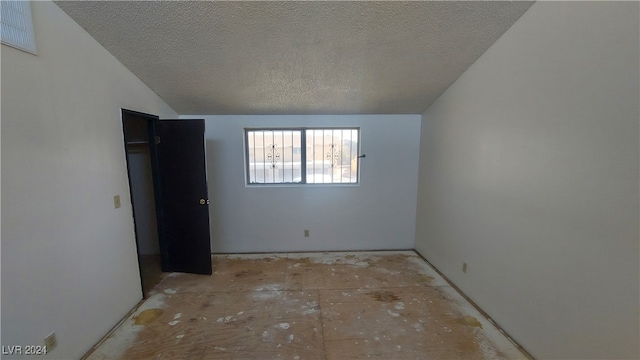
<point>182,201</point>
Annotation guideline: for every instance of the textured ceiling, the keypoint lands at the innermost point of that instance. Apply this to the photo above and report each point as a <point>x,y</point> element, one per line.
<point>205,57</point>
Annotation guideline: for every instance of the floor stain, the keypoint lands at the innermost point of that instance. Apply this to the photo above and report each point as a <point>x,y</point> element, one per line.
<point>147,317</point>
<point>248,273</point>
<point>384,296</point>
<point>470,320</point>
<point>305,261</point>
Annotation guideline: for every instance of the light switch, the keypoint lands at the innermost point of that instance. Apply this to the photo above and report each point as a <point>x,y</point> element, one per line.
<point>116,201</point>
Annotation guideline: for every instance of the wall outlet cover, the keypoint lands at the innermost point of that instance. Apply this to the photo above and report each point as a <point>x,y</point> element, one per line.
<point>50,341</point>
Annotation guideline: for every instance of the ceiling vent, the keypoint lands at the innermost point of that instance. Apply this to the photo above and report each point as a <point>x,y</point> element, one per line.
<point>17,26</point>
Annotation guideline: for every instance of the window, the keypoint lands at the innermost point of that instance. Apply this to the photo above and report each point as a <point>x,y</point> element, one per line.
<point>302,156</point>
<point>17,26</point>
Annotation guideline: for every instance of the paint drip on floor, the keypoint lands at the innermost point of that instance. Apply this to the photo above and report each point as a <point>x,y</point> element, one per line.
<point>470,320</point>
<point>147,317</point>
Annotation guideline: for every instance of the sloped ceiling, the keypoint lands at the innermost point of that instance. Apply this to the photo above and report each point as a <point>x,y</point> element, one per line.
<point>206,57</point>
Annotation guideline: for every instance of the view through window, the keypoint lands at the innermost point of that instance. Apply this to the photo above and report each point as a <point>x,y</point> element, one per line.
<point>302,156</point>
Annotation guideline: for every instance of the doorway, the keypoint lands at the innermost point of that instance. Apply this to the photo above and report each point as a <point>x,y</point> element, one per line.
<point>167,171</point>
<point>141,184</point>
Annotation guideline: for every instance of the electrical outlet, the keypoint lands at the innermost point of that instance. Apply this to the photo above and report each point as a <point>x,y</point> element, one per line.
<point>50,341</point>
<point>306,233</point>
<point>464,268</point>
<point>116,201</point>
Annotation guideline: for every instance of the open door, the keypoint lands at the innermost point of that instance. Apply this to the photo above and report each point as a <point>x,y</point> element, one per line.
<point>182,203</point>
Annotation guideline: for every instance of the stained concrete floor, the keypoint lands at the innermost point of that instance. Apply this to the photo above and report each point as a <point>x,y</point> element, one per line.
<point>360,305</point>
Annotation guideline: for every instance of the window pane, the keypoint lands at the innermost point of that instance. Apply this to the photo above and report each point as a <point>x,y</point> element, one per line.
<point>272,158</point>
<point>332,156</point>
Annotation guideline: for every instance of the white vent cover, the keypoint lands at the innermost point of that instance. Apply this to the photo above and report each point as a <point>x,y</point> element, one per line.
<point>17,26</point>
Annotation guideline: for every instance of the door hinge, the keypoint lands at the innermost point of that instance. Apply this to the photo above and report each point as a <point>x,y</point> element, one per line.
<point>157,140</point>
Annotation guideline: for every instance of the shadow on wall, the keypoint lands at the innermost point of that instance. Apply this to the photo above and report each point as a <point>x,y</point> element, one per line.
<point>214,160</point>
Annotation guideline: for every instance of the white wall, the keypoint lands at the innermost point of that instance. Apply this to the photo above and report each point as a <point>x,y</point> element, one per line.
<point>68,256</point>
<point>377,214</point>
<point>529,170</point>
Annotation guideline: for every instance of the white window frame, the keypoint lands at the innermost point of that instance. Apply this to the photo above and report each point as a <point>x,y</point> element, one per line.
<point>16,25</point>
<point>304,160</point>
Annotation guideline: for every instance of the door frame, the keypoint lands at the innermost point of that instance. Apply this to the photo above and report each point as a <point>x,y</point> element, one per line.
<point>150,119</point>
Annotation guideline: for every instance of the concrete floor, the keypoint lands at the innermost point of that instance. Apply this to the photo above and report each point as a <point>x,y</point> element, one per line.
<point>359,305</point>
